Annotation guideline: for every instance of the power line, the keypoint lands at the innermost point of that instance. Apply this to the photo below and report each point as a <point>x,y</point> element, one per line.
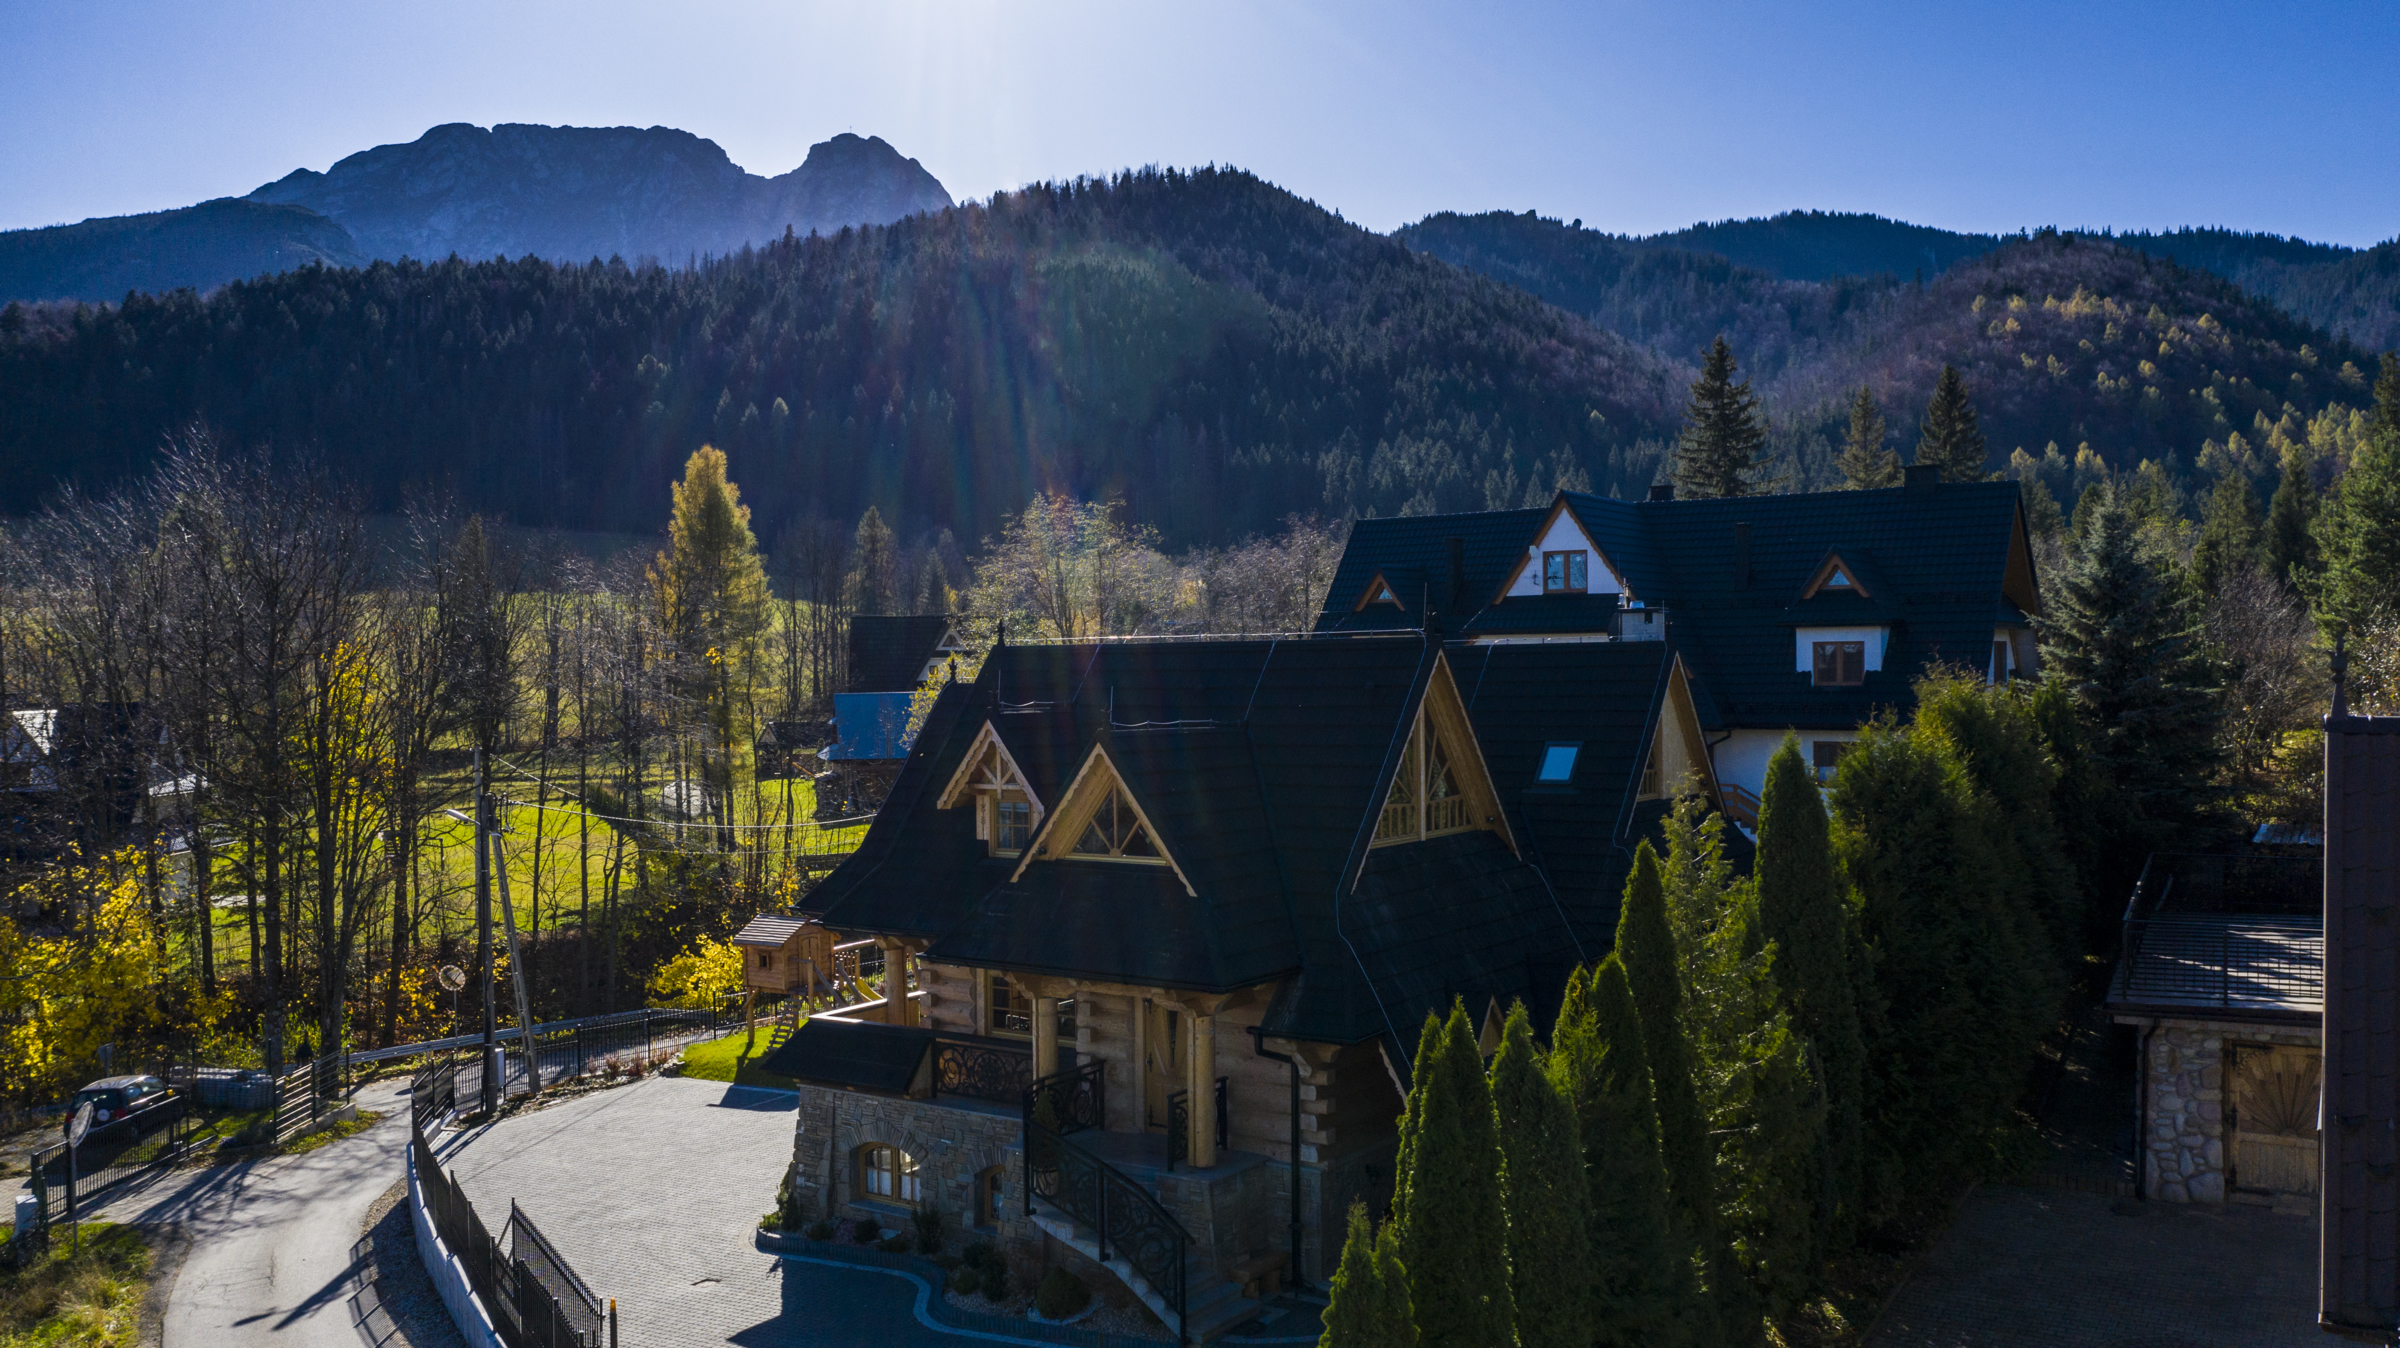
<point>523,771</point>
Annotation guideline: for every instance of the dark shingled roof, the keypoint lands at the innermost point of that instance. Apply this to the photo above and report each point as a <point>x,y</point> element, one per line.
<point>1932,558</point>
<point>2359,1279</point>
<point>855,1055</point>
<point>889,654</point>
<point>1262,765</point>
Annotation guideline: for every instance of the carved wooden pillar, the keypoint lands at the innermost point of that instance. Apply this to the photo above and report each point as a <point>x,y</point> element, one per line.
<point>897,1008</point>
<point>1204,1091</point>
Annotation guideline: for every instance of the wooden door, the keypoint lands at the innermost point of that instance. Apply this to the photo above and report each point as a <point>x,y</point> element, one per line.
<point>1166,1062</point>
<point>2274,1118</point>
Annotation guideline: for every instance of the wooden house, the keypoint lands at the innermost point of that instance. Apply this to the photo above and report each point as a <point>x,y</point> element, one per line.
<point>785,955</point>
<point>1178,911</point>
<point>1808,612</point>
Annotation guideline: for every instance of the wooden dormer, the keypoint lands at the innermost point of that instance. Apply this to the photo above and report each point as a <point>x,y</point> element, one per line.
<point>1441,784</point>
<point>1099,820</point>
<point>1007,811</point>
<point>1837,575</point>
<point>1678,752</point>
<point>1561,559</point>
<point>1379,591</point>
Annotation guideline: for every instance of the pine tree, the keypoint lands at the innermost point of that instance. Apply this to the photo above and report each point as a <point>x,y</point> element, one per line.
<point>1951,439</point>
<point>1369,1291</point>
<point>1724,445</point>
<point>2360,532</point>
<point>875,574</point>
<point>1802,910</point>
<point>2122,637</point>
<point>1641,1280</point>
<point>1549,1257</point>
<point>2232,537</point>
<point>1653,971</point>
<point>2291,534</point>
<point>1449,1200</point>
<point>1865,462</point>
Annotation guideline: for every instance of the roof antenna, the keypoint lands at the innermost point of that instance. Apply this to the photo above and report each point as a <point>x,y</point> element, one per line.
<point>2341,670</point>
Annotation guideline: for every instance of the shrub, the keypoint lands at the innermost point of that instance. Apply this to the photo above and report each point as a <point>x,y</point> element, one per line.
<point>865,1231</point>
<point>896,1245</point>
<point>1061,1294</point>
<point>820,1230</point>
<point>928,1222</point>
<point>980,1255</point>
<point>995,1280</point>
<point>966,1282</point>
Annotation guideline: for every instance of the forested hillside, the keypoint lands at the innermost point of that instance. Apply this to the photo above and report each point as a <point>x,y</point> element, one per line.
<point>1214,349</point>
<point>2060,338</point>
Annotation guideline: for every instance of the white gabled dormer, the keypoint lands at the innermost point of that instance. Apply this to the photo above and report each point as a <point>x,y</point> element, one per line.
<point>1006,809</point>
<point>1562,559</point>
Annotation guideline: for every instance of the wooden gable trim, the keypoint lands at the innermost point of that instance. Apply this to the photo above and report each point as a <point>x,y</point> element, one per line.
<point>1379,586</point>
<point>1054,838</point>
<point>1532,551</point>
<point>1685,716</point>
<point>964,780</point>
<point>1824,572</point>
<point>2018,584</point>
<point>1444,711</point>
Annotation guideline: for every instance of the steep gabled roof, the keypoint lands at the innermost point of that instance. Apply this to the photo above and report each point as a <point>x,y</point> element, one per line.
<point>1262,766</point>
<point>1413,554</point>
<point>888,654</point>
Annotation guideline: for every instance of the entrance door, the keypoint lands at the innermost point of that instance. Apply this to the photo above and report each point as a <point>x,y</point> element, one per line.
<point>2274,1119</point>
<point>1166,1062</point>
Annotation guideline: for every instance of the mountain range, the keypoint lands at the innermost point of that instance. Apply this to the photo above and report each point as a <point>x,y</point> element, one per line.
<point>1204,345</point>
<point>565,193</point>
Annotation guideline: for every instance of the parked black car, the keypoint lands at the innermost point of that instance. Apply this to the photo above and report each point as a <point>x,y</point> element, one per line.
<point>116,1098</point>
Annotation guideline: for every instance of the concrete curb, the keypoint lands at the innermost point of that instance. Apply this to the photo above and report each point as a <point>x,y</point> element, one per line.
<point>448,1275</point>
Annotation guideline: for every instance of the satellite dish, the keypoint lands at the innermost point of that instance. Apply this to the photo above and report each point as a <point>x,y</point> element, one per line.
<point>80,1124</point>
<point>453,978</point>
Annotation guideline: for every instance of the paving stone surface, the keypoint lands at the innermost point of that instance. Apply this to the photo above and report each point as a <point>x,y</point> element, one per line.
<point>652,1191</point>
<point>2029,1266</point>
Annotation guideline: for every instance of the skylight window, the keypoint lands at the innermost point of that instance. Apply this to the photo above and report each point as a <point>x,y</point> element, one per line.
<point>1558,764</point>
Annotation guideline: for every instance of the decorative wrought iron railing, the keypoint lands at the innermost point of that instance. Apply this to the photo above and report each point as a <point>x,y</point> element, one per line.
<point>1179,1123</point>
<point>982,1069</point>
<point>1123,1214</point>
<point>1078,1097</point>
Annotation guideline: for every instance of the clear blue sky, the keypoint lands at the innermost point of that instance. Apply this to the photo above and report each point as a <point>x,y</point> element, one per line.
<point>2281,117</point>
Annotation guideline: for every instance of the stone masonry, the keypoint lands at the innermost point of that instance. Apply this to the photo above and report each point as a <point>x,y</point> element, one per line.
<point>2183,1152</point>
<point>953,1141</point>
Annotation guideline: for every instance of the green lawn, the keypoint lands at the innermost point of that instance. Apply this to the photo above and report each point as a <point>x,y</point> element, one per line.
<point>87,1293</point>
<point>731,1060</point>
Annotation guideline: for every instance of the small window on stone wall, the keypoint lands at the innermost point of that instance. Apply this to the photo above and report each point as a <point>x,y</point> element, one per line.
<point>887,1174</point>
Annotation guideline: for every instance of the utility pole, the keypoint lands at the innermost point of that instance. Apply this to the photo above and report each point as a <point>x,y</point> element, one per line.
<point>483,937</point>
<point>516,962</point>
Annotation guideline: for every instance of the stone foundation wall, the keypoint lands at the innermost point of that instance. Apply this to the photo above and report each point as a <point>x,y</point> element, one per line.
<point>2183,1133</point>
<point>951,1144</point>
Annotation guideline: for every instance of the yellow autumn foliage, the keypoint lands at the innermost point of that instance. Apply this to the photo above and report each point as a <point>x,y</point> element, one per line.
<point>701,977</point>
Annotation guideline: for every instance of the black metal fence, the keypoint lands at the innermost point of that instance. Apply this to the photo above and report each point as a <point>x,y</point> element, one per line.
<point>1078,1097</point>
<point>980,1068</point>
<point>1179,1123</point>
<point>533,1295</point>
<point>113,1153</point>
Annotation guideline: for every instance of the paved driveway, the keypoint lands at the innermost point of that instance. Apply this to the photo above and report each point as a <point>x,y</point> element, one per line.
<point>653,1192</point>
<point>2027,1266</point>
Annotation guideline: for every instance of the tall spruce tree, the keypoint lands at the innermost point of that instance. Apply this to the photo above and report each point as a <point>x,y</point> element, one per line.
<point>2232,536</point>
<point>1654,971</point>
<point>1549,1254</point>
<point>1865,462</point>
<point>2360,530</point>
<point>1449,1201</point>
<point>1368,1294</point>
<point>2122,636</point>
<point>1951,438</point>
<point>1642,1286</point>
<point>2292,525</point>
<point>1724,445</point>
<point>1802,909</point>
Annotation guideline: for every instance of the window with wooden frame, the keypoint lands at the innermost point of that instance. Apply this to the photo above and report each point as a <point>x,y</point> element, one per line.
<point>1839,664</point>
<point>888,1174</point>
<point>1566,572</point>
<point>1117,832</point>
<point>1009,1012</point>
<point>766,961</point>
<point>1827,756</point>
<point>1426,797</point>
<point>1012,821</point>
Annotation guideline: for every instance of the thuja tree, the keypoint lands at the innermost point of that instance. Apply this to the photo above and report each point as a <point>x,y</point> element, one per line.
<point>1642,1284</point>
<point>1960,990</point>
<point>1756,1094</point>
<point>1549,1259</point>
<point>1646,945</point>
<point>1803,910</point>
<point>1995,735</point>
<point>1368,1296</point>
<point>1448,1200</point>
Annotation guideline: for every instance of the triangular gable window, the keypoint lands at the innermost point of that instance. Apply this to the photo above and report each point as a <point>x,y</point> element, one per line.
<point>1426,797</point>
<point>1380,591</point>
<point>1117,831</point>
<point>1838,580</point>
<point>1835,574</point>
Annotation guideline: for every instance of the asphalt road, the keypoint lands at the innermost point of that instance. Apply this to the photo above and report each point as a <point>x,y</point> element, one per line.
<point>270,1255</point>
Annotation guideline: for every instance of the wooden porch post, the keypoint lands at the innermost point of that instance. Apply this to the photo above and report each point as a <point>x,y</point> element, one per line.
<point>1045,1035</point>
<point>897,1009</point>
<point>1204,1091</point>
